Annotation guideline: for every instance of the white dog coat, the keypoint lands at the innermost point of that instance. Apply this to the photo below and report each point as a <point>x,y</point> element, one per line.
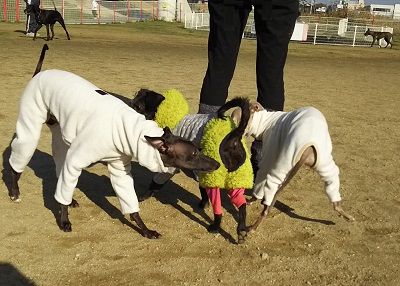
<point>285,136</point>
<point>92,126</point>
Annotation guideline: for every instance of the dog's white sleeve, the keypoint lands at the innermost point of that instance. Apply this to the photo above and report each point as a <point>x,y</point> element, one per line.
<point>122,182</point>
<point>68,178</point>
<point>329,173</point>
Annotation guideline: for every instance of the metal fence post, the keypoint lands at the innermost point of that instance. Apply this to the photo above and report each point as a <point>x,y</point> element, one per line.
<point>17,11</point>
<point>315,33</point>
<point>141,9</point>
<point>99,16</point>
<point>128,4</point>
<point>354,37</point>
<point>5,10</point>
<point>62,9</point>
<point>113,13</point>
<point>81,12</point>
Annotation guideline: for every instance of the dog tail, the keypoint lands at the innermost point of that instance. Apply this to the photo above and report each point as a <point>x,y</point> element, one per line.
<point>55,8</point>
<point>244,105</point>
<point>41,58</point>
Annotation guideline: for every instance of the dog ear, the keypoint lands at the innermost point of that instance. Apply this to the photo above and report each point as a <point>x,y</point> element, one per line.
<point>158,143</point>
<point>146,102</point>
<point>167,131</point>
<point>236,114</point>
<point>255,107</point>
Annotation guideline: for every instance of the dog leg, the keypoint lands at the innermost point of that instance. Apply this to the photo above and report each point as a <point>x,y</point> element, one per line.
<point>145,231</point>
<point>153,188</point>
<point>14,192</point>
<point>52,31</point>
<point>241,229</point>
<point>65,224</point>
<point>48,34</point>
<point>204,198</point>
<point>263,215</point>
<point>215,227</point>
<point>337,207</point>
<point>62,23</point>
<point>308,158</point>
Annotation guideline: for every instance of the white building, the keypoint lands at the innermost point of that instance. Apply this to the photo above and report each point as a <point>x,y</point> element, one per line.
<point>382,10</point>
<point>396,12</point>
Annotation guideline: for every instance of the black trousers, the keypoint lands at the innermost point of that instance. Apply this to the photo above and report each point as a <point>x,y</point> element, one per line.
<point>274,23</point>
<point>31,19</point>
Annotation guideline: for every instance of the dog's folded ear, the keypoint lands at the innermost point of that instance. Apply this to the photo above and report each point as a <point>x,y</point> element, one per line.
<point>167,132</point>
<point>255,106</point>
<point>146,102</point>
<point>158,142</point>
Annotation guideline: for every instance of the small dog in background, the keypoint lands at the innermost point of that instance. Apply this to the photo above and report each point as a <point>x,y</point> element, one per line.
<point>47,18</point>
<point>377,36</point>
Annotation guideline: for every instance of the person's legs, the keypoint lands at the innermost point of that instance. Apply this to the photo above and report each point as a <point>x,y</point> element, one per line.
<point>227,23</point>
<point>32,19</point>
<point>274,22</point>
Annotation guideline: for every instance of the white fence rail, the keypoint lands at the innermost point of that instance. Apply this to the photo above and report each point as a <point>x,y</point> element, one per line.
<point>340,33</point>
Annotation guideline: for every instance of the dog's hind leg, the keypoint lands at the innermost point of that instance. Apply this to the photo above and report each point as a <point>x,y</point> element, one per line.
<point>32,115</point>
<point>308,158</point>
<point>62,23</point>
<point>387,40</point>
<point>52,31</point>
<point>48,32</point>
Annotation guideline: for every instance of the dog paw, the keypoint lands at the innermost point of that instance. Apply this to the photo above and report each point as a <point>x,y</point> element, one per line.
<point>151,234</point>
<point>242,236</point>
<point>15,199</point>
<point>74,204</point>
<point>66,226</point>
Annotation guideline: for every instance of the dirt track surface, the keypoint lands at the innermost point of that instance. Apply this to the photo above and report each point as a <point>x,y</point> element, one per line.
<point>303,243</point>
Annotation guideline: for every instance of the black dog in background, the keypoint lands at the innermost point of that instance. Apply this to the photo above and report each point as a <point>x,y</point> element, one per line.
<point>47,18</point>
<point>376,36</point>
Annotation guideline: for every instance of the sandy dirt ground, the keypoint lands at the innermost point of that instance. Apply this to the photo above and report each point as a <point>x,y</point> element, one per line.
<point>303,243</point>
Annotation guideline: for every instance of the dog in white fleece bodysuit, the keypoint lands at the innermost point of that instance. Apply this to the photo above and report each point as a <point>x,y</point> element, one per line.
<point>93,126</point>
<point>289,140</point>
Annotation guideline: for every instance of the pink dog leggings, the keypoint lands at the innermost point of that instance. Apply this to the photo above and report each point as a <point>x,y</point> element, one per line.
<point>236,196</point>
